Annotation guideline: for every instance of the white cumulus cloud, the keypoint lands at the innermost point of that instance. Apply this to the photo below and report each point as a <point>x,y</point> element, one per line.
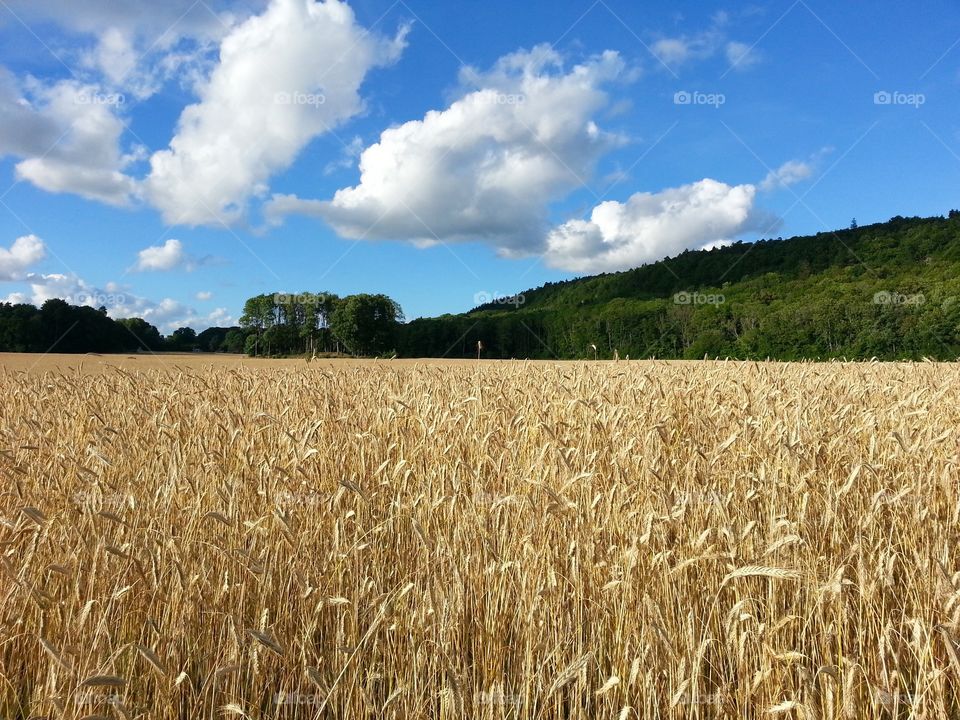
<point>24,252</point>
<point>162,23</point>
<point>486,167</point>
<point>67,133</point>
<point>651,226</point>
<point>135,45</point>
<point>68,136</point>
<point>169,256</point>
<point>283,78</point>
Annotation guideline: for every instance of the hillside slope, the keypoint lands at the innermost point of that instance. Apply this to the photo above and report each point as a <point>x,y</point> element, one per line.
<point>889,290</point>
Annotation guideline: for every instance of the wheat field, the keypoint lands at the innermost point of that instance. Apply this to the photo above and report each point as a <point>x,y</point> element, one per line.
<point>481,540</point>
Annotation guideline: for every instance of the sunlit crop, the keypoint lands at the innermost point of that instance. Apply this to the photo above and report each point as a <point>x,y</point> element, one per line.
<point>488,540</point>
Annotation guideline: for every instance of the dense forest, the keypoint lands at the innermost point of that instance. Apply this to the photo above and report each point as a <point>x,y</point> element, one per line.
<point>276,324</point>
<point>57,326</point>
<point>890,291</point>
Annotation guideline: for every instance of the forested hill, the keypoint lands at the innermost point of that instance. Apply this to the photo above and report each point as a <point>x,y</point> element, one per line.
<point>890,290</point>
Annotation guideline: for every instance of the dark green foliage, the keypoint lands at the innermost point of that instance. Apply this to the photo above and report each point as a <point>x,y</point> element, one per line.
<point>366,324</point>
<point>214,339</point>
<point>60,327</point>
<point>806,297</point>
<point>143,335</point>
<point>183,340</point>
<point>890,291</point>
<point>233,341</point>
<point>281,324</point>
<point>63,328</point>
<point>278,324</point>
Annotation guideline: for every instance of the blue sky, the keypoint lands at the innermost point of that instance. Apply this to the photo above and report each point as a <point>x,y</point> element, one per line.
<point>169,160</point>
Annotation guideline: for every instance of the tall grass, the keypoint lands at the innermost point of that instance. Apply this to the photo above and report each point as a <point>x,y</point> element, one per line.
<point>503,540</point>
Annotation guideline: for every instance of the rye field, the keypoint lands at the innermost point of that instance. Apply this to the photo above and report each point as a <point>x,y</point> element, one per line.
<point>183,538</point>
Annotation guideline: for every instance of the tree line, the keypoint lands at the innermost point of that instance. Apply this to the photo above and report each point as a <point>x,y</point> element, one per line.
<point>272,325</point>
<point>57,326</point>
<point>889,290</point>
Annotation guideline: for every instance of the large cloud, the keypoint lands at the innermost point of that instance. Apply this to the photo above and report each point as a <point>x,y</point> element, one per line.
<point>486,167</point>
<point>67,133</point>
<point>283,78</point>
<point>68,138</point>
<point>133,45</point>
<point>162,22</point>
<point>24,252</point>
<point>651,226</point>
<point>23,130</point>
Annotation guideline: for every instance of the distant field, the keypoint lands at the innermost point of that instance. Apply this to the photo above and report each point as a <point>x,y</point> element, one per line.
<point>423,539</point>
<point>176,362</point>
<point>33,362</point>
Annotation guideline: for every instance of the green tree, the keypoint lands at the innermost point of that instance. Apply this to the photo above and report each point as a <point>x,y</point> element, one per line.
<point>19,328</point>
<point>259,315</point>
<point>183,339</point>
<point>76,329</point>
<point>366,324</point>
<point>142,335</point>
<point>317,310</point>
<point>213,339</point>
<point>234,341</point>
